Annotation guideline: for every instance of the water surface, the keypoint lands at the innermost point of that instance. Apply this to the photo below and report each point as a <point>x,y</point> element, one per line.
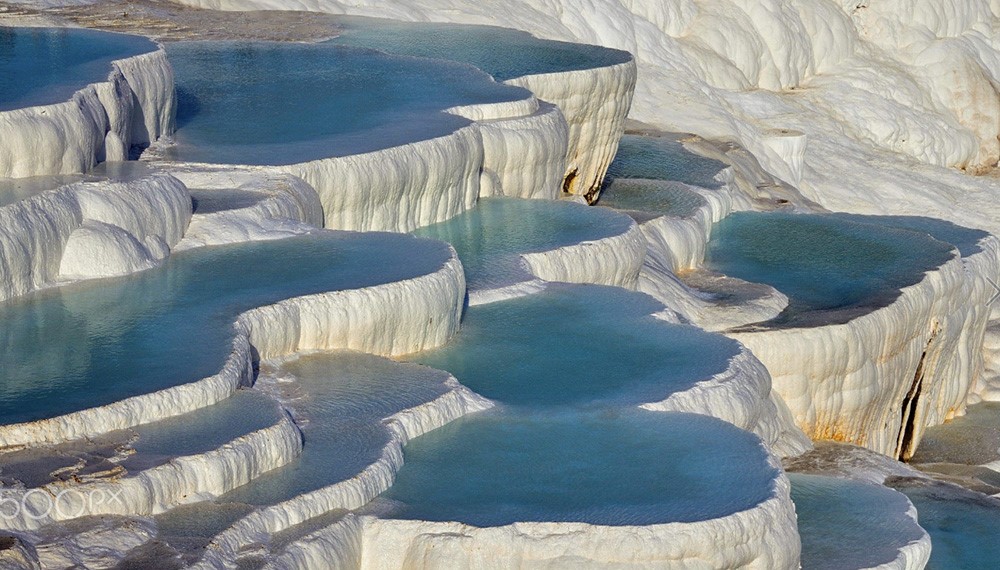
<point>284,103</point>
<point>41,66</point>
<point>823,262</point>
<point>340,400</point>
<point>503,53</point>
<point>97,342</point>
<point>612,468</point>
<point>659,197</point>
<point>578,345</point>
<point>847,524</point>
<point>663,158</point>
<point>490,237</point>
<point>964,525</point>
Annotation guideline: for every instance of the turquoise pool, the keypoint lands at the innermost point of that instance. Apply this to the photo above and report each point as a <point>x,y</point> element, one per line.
<point>611,468</point>
<point>41,66</point>
<point>658,197</point>
<point>490,238</point>
<point>578,346</point>
<point>503,53</point>
<point>845,525</point>
<point>824,262</point>
<point>340,400</point>
<point>93,343</point>
<point>663,158</point>
<point>284,103</point>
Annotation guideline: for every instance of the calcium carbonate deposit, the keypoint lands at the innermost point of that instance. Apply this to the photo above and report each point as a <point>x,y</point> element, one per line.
<point>311,284</point>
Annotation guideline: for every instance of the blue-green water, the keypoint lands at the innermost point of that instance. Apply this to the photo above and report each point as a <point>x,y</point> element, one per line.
<point>663,158</point>
<point>657,197</point>
<point>94,343</point>
<point>201,431</point>
<point>340,400</point>
<point>41,66</point>
<point>964,526</point>
<point>578,346</point>
<point>624,467</point>
<point>965,239</point>
<point>501,52</point>
<point>283,103</point>
<point>490,237</point>
<point>847,524</point>
<point>823,262</point>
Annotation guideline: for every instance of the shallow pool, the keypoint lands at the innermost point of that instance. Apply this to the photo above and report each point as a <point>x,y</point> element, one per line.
<point>14,190</point>
<point>659,197</point>
<point>340,400</point>
<point>663,158</point>
<point>503,53</point>
<point>578,345</point>
<point>284,103</point>
<point>41,66</point>
<point>845,525</point>
<point>93,343</point>
<point>615,468</point>
<point>964,525</point>
<point>490,238</point>
<point>823,262</point>
<point>204,430</point>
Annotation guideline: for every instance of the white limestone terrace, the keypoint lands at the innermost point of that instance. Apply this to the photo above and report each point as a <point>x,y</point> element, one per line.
<point>434,516</point>
<point>356,412</point>
<point>444,140</point>
<point>442,147</point>
<point>234,205</point>
<point>910,83</point>
<point>99,227</point>
<point>641,360</point>
<point>90,98</point>
<point>179,472</point>
<point>676,196</point>
<point>556,72</point>
<point>927,358</point>
<point>755,529</point>
<point>396,162</point>
<point>400,308</point>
